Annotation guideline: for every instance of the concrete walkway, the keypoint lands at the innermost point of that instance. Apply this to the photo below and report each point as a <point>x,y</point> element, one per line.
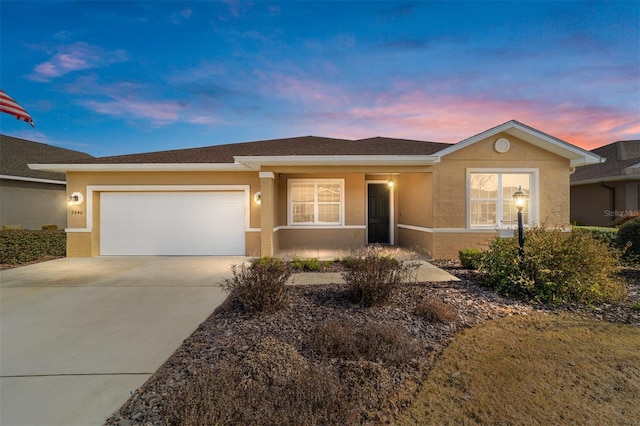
<point>426,272</point>
<point>77,336</point>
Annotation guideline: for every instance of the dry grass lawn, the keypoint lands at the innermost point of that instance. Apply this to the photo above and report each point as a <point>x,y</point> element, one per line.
<point>537,369</point>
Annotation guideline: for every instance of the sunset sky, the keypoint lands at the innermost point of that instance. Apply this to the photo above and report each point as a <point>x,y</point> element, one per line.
<point>113,78</point>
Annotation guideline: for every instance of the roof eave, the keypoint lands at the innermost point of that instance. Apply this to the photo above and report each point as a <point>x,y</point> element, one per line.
<point>605,179</point>
<point>577,156</point>
<point>142,167</point>
<point>31,179</point>
<point>255,162</point>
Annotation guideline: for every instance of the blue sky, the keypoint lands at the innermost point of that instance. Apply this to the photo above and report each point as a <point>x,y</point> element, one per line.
<point>113,78</point>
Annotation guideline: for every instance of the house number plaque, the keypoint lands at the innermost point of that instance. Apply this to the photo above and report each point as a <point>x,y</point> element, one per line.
<point>75,212</point>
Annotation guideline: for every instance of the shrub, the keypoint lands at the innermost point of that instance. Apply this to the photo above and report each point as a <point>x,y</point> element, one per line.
<point>309,265</point>
<point>373,275</point>
<point>20,245</point>
<point>260,287</point>
<point>621,220</point>
<point>226,395</point>
<point>370,342</point>
<point>606,235</point>
<point>436,310</point>
<point>629,239</point>
<point>558,267</point>
<point>470,258</point>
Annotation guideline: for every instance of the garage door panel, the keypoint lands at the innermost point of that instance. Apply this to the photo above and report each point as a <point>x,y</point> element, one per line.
<point>172,223</point>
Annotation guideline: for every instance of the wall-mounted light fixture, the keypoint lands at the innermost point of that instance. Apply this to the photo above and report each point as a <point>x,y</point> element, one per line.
<point>257,197</point>
<point>390,182</point>
<point>75,198</point>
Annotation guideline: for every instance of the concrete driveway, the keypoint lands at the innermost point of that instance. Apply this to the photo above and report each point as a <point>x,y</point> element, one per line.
<point>78,335</point>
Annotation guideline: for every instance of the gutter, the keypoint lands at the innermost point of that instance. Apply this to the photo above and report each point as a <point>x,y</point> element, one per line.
<point>612,191</point>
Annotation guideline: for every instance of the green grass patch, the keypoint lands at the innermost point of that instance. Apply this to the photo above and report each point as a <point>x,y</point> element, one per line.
<point>537,369</point>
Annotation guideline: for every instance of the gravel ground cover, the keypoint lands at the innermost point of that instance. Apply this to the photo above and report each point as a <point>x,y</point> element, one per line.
<point>278,344</point>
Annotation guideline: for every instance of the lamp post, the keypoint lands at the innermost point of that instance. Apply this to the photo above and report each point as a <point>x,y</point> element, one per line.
<point>520,198</point>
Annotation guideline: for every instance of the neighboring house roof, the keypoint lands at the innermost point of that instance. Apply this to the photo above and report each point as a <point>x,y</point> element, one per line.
<point>16,154</point>
<point>314,150</point>
<point>623,163</point>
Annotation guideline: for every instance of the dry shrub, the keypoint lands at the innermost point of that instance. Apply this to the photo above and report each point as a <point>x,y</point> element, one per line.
<point>260,287</point>
<point>272,385</point>
<point>436,310</point>
<point>557,267</point>
<point>371,342</point>
<point>372,275</point>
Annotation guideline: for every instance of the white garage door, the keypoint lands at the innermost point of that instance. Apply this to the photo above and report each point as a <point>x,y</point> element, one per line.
<point>172,223</point>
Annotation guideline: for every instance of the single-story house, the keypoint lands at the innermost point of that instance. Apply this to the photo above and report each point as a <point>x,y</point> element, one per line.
<point>30,199</point>
<point>603,192</point>
<point>267,197</point>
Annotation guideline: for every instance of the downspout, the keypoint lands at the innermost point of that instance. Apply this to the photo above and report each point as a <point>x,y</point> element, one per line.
<point>612,190</point>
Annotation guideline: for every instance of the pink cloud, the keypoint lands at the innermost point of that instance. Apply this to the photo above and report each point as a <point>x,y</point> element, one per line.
<point>451,118</point>
<point>159,113</point>
<point>303,91</point>
<point>76,57</point>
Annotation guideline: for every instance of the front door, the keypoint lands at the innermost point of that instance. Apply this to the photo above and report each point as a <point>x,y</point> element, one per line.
<point>378,213</point>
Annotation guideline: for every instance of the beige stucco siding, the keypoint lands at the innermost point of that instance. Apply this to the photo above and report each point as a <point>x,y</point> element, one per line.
<point>450,180</point>
<point>332,238</point>
<point>415,199</point>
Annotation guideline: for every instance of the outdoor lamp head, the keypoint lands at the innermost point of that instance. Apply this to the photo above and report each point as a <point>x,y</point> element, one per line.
<point>520,198</point>
<point>75,198</point>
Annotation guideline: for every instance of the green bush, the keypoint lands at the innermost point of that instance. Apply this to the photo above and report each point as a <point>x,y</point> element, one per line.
<point>21,246</point>
<point>309,265</point>
<point>372,275</point>
<point>629,239</point>
<point>558,267</point>
<point>470,258</point>
<point>606,235</point>
<point>260,287</point>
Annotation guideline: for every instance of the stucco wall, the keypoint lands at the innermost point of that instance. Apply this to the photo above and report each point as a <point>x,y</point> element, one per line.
<point>592,204</point>
<point>32,204</point>
<point>450,188</point>
<point>415,199</point>
<point>290,239</point>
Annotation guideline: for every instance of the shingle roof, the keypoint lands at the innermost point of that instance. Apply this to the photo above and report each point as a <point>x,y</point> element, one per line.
<point>304,145</point>
<point>16,153</point>
<point>621,156</point>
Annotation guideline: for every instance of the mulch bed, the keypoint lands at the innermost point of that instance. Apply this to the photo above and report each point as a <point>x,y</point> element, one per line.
<point>230,336</point>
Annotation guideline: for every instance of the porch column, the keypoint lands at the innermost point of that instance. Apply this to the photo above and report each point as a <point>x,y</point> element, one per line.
<point>267,213</point>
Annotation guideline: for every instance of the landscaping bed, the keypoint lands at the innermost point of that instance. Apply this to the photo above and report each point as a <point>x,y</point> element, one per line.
<point>269,369</point>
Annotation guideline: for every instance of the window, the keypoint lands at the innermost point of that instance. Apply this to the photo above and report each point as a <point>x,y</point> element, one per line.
<point>315,202</point>
<point>491,198</point>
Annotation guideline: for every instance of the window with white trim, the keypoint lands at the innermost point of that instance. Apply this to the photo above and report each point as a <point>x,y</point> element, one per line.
<point>491,201</point>
<point>315,201</point>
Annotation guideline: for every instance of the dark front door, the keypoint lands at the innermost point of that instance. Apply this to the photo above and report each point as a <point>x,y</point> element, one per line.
<point>378,208</point>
